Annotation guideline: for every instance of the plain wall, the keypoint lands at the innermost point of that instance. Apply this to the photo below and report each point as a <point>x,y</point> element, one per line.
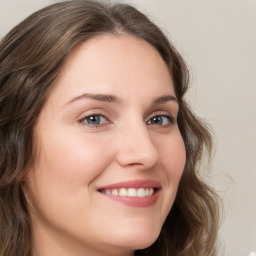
<point>218,40</point>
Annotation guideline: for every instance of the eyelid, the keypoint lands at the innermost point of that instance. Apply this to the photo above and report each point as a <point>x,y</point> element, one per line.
<point>164,124</point>
<point>92,113</point>
<point>167,114</point>
<point>171,117</point>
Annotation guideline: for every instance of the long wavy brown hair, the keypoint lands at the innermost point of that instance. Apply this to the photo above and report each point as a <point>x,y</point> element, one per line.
<point>31,57</point>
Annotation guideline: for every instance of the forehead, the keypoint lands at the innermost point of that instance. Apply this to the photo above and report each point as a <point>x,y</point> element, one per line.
<point>108,63</point>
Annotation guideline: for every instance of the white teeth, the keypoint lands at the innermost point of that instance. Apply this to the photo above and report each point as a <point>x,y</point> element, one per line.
<point>107,192</point>
<point>131,192</point>
<point>122,192</point>
<point>114,192</point>
<point>141,192</point>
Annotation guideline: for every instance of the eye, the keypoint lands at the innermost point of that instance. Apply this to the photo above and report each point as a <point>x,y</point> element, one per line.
<point>94,120</point>
<point>163,120</point>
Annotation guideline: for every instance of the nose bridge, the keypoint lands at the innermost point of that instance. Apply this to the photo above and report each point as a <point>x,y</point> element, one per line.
<point>136,146</point>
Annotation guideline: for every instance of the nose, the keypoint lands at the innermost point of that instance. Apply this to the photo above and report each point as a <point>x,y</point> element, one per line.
<point>136,147</point>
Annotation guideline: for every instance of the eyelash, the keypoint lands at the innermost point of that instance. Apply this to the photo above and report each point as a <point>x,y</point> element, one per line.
<point>82,120</point>
<point>169,118</point>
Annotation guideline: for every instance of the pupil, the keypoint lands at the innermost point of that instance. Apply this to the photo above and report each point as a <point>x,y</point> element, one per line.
<point>157,120</point>
<point>94,120</point>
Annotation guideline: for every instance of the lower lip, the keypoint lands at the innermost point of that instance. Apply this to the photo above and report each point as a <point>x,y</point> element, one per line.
<point>135,201</point>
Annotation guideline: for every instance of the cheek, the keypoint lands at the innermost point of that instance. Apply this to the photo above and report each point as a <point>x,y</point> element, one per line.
<point>76,160</point>
<point>174,158</point>
<point>63,174</point>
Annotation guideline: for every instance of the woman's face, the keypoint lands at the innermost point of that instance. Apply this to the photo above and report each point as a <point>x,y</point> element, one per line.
<point>110,153</point>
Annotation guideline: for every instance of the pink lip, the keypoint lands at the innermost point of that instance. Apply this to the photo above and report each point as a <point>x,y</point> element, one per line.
<point>134,201</point>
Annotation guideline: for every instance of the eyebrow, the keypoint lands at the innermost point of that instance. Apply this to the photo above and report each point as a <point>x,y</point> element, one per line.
<point>111,98</point>
<point>164,99</point>
<point>98,97</point>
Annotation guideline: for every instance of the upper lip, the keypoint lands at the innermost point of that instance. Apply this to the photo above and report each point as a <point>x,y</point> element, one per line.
<point>133,184</point>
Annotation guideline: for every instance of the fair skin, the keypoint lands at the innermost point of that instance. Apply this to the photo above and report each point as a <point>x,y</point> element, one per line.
<point>110,153</point>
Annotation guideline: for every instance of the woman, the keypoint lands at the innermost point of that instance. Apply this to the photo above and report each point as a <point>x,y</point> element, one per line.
<point>99,150</point>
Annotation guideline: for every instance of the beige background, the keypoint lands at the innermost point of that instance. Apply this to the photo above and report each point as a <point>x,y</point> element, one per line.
<point>218,40</point>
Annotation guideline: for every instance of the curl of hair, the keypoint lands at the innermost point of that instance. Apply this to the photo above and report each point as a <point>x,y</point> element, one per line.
<point>31,57</point>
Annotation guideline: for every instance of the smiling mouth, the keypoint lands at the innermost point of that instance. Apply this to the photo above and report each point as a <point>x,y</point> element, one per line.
<point>135,193</point>
<point>129,192</point>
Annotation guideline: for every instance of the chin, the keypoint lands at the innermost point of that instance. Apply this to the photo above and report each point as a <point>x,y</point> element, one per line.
<point>138,240</point>
<point>144,243</point>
